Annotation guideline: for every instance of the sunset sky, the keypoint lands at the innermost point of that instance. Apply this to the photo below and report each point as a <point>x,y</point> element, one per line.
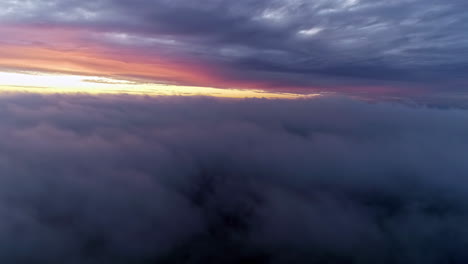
<point>233,131</point>
<point>384,48</point>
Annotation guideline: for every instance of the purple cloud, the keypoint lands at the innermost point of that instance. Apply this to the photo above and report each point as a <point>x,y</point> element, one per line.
<point>196,180</point>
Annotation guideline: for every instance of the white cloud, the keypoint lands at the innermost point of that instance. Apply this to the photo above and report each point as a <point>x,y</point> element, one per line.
<point>310,31</point>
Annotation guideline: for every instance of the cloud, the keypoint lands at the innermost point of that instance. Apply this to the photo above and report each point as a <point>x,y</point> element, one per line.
<point>122,179</point>
<point>404,44</point>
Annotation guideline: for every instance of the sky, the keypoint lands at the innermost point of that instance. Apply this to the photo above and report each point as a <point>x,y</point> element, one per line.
<point>403,48</point>
<point>233,132</point>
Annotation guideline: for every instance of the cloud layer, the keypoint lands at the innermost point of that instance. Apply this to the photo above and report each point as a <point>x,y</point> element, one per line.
<point>406,46</point>
<point>195,180</point>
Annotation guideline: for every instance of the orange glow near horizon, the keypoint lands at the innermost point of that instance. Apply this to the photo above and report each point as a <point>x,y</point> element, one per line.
<point>45,59</point>
<point>74,51</point>
<point>94,62</point>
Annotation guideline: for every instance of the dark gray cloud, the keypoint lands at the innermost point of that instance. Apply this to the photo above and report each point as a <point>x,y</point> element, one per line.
<point>325,43</point>
<point>122,179</point>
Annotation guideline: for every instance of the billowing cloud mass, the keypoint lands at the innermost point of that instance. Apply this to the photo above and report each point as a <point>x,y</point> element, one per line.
<point>124,179</point>
<point>367,46</point>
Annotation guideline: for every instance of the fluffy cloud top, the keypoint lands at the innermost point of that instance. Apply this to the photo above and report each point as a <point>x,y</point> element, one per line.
<point>194,180</point>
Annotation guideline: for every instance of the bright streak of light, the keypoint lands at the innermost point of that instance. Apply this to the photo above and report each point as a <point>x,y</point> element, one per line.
<point>31,82</point>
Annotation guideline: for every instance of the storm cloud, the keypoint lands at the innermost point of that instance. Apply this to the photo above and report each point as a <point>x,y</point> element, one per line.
<point>121,179</point>
<point>338,45</point>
